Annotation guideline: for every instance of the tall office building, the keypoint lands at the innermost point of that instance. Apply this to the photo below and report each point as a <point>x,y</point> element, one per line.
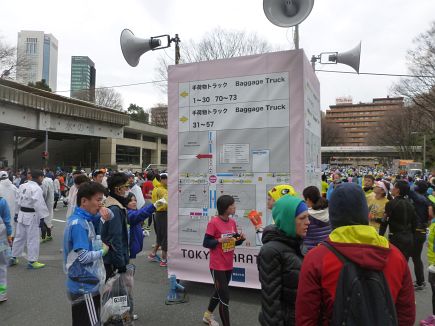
<point>83,75</point>
<point>37,58</point>
<point>360,119</point>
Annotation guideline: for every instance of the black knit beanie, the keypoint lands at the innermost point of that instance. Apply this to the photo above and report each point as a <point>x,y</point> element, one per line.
<point>348,206</point>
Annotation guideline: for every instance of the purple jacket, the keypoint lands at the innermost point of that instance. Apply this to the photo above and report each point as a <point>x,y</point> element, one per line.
<point>319,228</point>
<point>135,219</point>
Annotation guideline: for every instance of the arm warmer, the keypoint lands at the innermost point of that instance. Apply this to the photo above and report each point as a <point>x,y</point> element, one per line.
<point>86,256</point>
<point>210,242</point>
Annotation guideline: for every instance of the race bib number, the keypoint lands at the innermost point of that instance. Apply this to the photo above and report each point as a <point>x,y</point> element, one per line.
<point>230,245</point>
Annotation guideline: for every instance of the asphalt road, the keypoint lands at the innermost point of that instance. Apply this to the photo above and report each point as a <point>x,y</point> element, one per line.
<point>37,297</point>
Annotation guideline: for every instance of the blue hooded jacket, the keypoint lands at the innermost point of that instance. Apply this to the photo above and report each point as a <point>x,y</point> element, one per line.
<point>135,218</point>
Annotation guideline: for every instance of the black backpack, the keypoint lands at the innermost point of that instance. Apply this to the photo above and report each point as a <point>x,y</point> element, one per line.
<point>362,296</point>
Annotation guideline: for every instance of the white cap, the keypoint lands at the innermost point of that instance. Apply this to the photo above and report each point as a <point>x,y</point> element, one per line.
<point>3,175</point>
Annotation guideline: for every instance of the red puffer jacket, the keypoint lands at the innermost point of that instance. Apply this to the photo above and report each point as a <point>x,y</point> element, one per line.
<point>321,269</point>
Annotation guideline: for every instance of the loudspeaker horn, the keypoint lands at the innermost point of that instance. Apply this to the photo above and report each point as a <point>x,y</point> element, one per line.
<point>350,58</point>
<point>133,47</point>
<point>287,13</point>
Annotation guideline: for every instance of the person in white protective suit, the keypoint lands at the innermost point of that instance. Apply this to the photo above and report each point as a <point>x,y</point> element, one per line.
<point>9,192</point>
<point>32,210</point>
<point>72,195</point>
<point>48,194</point>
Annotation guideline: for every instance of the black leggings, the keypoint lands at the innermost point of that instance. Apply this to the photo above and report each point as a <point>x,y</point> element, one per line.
<point>221,295</point>
<point>419,240</point>
<point>45,230</point>
<point>431,278</point>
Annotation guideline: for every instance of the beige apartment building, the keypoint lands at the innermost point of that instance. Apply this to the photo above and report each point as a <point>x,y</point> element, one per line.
<point>357,119</point>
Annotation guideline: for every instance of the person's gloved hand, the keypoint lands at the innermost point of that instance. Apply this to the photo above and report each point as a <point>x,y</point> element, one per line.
<point>122,269</point>
<point>41,222</point>
<point>16,218</point>
<point>160,202</point>
<point>105,249</point>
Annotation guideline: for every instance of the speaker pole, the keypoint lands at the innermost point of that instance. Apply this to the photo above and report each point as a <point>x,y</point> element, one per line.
<point>176,39</point>
<point>296,37</point>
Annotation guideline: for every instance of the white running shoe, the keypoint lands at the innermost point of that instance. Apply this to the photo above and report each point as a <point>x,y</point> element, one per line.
<point>209,319</point>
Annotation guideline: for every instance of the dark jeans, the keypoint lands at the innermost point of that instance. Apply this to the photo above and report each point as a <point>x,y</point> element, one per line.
<point>419,240</point>
<point>87,311</point>
<point>161,226</point>
<point>221,295</point>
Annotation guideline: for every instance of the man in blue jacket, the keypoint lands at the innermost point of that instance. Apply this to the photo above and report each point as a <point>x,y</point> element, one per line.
<point>83,263</point>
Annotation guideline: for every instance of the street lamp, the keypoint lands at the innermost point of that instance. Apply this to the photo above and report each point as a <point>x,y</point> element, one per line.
<point>424,146</point>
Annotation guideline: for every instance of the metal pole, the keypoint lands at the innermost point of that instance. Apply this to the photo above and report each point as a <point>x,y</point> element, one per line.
<point>46,147</point>
<point>16,153</point>
<point>424,152</point>
<point>296,37</point>
<point>177,49</point>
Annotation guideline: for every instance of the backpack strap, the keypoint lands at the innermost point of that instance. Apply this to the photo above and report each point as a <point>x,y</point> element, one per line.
<point>340,256</point>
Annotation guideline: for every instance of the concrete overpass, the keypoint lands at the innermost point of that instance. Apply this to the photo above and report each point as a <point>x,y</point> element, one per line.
<point>362,155</point>
<point>27,113</point>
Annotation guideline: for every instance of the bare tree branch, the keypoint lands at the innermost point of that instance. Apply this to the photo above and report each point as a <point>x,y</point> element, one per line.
<point>332,133</point>
<point>216,44</point>
<point>421,62</point>
<point>108,98</point>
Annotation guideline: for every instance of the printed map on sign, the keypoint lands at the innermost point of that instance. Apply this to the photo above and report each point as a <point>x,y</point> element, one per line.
<point>234,139</point>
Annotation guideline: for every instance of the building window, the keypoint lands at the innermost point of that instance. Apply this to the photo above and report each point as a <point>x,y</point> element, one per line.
<point>146,157</point>
<point>148,138</point>
<point>131,135</point>
<point>164,157</point>
<point>31,45</point>
<point>127,155</point>
<point>164,141</point>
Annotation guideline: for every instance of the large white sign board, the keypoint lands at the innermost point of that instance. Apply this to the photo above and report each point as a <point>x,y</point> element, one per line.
<point>236,127</point>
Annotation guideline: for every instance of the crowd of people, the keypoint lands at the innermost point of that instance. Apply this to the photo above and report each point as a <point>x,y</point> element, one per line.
<point>335,255</point>
<point>108,215</point>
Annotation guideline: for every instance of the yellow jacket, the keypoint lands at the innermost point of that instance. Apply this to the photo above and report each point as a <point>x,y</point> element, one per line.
<point>160,191</point>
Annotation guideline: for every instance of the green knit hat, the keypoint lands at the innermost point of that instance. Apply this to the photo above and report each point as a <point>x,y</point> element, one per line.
<point>284,214</point>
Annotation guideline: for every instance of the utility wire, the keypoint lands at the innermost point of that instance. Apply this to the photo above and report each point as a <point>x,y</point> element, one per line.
<point>374,74</point>
<point>118,86</point>
<point>319,70</point>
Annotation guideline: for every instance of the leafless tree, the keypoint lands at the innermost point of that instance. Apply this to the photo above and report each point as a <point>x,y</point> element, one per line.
<point>332,133</point>
<point>9,61</point>
<point>108,97</point>
<point>159,115</point>
<point>217,44</point>
<point>400,129</point>
<point>420,91</point>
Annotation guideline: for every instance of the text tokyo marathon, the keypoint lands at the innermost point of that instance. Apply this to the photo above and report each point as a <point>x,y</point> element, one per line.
<point>266,80</point>
<point>203,254</point>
